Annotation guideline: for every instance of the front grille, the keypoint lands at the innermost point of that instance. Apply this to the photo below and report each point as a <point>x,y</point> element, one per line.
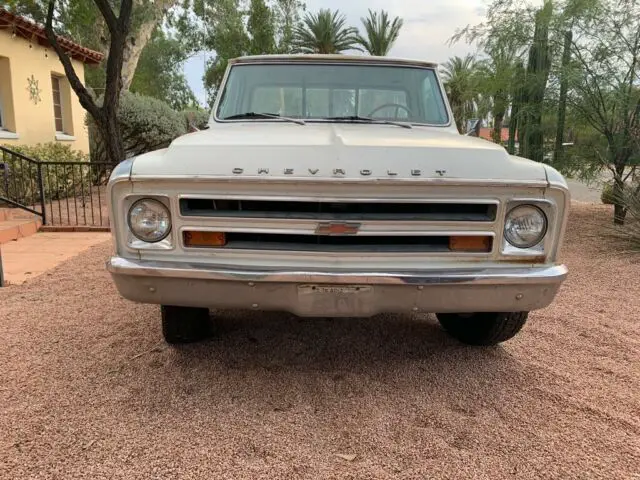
<point>322,210</point>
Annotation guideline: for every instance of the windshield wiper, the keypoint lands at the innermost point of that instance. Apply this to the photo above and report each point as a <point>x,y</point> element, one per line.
<point>239,116</point>
<point>358,118</point>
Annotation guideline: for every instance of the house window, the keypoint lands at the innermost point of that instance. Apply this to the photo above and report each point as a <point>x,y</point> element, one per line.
<point>7,120</point>
<point>57,104</point>
<point>61,91</point>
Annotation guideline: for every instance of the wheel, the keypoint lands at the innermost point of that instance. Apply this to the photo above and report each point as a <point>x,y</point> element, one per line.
<point>482,328</point>
<point>184,324</point>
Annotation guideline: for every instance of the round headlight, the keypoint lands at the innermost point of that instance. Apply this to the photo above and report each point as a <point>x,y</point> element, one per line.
<point>525,226</point>
<point>149,220</point>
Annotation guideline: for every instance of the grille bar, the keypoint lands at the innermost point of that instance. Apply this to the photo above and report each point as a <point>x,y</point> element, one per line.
<point>319,210</point>
<point>355,243</point>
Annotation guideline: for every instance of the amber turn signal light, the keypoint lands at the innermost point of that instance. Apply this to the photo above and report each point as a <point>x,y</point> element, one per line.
<point>464,243</point>
<point>204,239</point>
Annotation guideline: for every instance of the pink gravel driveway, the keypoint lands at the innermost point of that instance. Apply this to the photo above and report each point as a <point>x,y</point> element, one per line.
<point>89,390</point>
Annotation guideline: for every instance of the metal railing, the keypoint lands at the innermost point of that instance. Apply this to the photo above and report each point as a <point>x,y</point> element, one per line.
<point>65,194</point>
<point>19,185</point>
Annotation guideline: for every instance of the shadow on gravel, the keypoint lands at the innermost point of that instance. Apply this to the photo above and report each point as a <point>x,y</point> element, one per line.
<point>279,359</point>
<point>253,339</point>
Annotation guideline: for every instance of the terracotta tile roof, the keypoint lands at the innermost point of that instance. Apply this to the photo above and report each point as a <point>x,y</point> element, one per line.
<point>486,134</point>
<point>25,28</point>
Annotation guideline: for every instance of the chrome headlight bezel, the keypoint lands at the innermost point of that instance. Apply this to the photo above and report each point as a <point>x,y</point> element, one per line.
<point>539,239</point>
<point>136,234</point>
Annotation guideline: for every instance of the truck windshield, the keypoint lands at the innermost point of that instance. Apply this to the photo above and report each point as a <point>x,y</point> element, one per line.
<point>333,92</point>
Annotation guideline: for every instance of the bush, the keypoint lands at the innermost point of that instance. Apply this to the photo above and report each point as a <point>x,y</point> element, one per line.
<point>630,231</point>
<point>196,118</point>
<point>608,198</point>
<point>59,181</point>
<point>146,124</point>
<point>607,194</point>
<point>51,152</point>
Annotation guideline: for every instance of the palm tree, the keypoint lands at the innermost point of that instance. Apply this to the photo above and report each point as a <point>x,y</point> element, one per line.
<point>495,82</point>
<point>325,32</point>
<point>460,77</point>
<point>381,33</point>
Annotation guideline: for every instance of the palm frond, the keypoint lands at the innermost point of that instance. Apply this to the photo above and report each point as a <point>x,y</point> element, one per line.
<point>381,33</point>
<point>325,32</point>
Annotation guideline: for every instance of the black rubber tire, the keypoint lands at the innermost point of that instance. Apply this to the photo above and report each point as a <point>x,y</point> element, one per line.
<point>185,324</point>
<point>482,329</point>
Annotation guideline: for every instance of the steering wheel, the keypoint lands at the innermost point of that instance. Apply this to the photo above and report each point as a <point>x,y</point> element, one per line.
<point>398,106</point>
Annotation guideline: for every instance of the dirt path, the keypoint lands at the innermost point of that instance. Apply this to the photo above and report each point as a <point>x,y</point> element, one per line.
<point>88,389</point>
<point>29,257</point>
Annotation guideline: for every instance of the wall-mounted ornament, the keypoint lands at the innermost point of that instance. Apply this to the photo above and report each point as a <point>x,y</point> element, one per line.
<point>33,89</point>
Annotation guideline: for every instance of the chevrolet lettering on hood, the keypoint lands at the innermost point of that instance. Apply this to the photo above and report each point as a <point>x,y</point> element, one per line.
<point>337,186</point>
<point>339,172</point>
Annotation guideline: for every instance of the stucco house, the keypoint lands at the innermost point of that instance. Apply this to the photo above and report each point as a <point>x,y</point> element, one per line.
<point>37,104</point>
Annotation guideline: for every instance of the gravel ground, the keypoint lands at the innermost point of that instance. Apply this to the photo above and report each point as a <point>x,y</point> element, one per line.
<point>89,390</point>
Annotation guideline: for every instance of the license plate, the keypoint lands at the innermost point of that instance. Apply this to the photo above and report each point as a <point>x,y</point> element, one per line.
<point>337,301</point>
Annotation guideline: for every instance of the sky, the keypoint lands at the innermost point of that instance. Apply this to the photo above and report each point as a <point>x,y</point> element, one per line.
<point>428,25</point>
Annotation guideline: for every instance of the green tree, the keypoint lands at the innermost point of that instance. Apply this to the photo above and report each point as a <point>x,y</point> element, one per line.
<point>537,75</point>
<point>286,16</point>
<point>84,21</point>
<point>261,28</point>
<point>228,38</point>
<point>504,37</point>
<point>460,76</point>
<point>325,32</point>
<point>159,73</point>
<point>105,114</point>
<point>604,88</point>
<point>233,28</point>
<point>495,80</point>
<point>381,33</point>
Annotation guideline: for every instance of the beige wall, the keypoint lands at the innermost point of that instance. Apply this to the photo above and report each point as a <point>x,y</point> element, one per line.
<point>34,123</point>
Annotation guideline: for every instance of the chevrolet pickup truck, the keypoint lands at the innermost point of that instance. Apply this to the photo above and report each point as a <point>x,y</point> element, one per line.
<point>334,185</point>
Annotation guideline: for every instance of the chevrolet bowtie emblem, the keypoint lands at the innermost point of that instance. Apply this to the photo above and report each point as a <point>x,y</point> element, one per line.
<point>337,228</point>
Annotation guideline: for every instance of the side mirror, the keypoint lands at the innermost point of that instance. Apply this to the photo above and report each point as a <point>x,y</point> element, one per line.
<point>474,131</point>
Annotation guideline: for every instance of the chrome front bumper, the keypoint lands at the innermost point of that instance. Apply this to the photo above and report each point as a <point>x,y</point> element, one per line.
<point>338,293</point>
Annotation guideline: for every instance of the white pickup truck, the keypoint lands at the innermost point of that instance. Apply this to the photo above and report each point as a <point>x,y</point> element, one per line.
<point>333,185</point>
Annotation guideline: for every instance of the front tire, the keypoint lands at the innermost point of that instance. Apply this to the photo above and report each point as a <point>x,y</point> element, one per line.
<point>483,329</point>
<point>184,324</point>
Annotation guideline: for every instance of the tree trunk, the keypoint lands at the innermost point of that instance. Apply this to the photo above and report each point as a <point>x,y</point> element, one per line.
<point>136,41</point>
<point>500,103</point>
<point>497,128</point>
<point>515,125</point>
<point>619,209</point>
<point>513,128</point>
<point>558,153</point>
<point>114,145</point>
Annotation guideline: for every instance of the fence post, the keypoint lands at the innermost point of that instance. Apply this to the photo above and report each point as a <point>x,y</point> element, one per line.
<point>42,197</point>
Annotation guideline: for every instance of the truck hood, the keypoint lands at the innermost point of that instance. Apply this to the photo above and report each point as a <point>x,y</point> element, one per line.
<point>324,150</point>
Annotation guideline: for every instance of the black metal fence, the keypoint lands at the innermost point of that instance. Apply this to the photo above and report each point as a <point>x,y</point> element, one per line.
<point>64,194</point>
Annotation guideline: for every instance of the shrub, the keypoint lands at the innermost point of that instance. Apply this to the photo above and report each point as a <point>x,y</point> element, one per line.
<point>146,124</point>
<point>196,118</point>
<point>630,231</point>
<point>51,152</point>
<point>607,194</point>
<point>59,181</point>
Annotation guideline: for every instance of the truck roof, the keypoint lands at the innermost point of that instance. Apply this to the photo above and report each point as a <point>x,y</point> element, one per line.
<point>369,59</point>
